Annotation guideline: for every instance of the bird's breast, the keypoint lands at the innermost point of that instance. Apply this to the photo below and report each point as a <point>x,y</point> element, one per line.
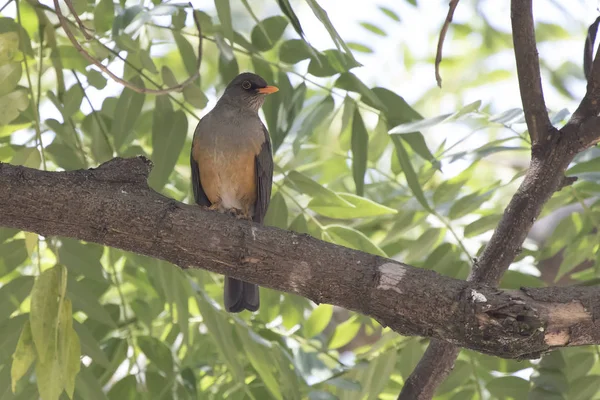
<point>226,160</point>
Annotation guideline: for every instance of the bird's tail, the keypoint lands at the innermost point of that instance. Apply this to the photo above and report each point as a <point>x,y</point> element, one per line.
<point>240,296</point>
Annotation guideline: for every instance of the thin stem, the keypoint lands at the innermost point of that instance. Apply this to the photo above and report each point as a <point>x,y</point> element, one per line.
<point>36,115</point>
<point>5,5</point>
<point>39,90</point>
<point>476,376</point>
<point>99,121</point>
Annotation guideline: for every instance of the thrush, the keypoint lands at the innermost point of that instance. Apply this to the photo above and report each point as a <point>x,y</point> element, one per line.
<point>232,166</point>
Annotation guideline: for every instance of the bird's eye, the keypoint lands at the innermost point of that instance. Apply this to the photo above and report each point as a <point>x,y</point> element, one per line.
<point>246,85</point>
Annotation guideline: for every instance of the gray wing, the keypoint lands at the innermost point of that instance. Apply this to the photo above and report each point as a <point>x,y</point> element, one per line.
<point>264,178</point>
<point>199,195</point>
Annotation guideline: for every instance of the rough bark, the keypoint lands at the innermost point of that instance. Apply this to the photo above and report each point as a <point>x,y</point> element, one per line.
<point>552,151</point>
<point>113,205</point>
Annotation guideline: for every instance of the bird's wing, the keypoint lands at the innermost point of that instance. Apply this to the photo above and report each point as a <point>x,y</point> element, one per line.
<point>199,195</point>
<point>264,178</point>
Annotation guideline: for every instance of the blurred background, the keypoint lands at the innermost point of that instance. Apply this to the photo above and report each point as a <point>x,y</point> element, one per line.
<point>429,193</point>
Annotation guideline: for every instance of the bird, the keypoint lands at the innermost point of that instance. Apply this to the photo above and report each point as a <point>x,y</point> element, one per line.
<point>232,167</point>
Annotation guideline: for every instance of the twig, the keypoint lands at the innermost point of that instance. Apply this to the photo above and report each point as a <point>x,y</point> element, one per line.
<point>430,372</point>
<point>440,45</point>
<point>36,115</point>
<point>528,71</point>
<point>90,58</point>
<point>84,29</point>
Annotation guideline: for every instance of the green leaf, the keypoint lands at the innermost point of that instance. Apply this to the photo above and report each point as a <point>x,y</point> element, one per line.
<point>96,79</point>
<point>95,125</point>
<point>11,105</point>
<point>351,238</point>
<point>221,332</point>
<point>315,118</point>
<point>72,103</point>
<point>125,389</point>
<point>169,130</point>
<point>45,298</point>
<point>287,10</point>
<point>71,58</point>
<point>467,204</point>
<point>86,300</point>
<point>13,293</point>
<point>592,165</point>
<point>390,13</point>
<point>363,207</point>
<point>10,74</point>
<point>261,359</point>
<point>90,346</point>
<point>49,377</point>
<point>311,188</point>
<point>127,111</point>
<point>187,53</point>
<point>88,387</point>
<point>10,330</point>
<point>349,81</point>
<point>516,280</point>
<point>459,375</point>
<point>321,14</point>
<point>148,63</point>
<point>409,173</point>
<point>168,77</point>
<point>273,27</point>
<point>157,352</point>
<point>372,28</point>
<point>584,388</point>
<point>344,333</point>
<point>28,157</point>
<point>482,225</point>
<point>228,69</point>
<point>23,357</point>
<point>12,254</point>
<point>360,148</point>
<point>318,320</point>
<point>195,96</point>
<point>360,47</point>
<point>9,44</point>
<point>82,259</point>
<point>425,123</point>
<point>224,13</point>
<point>69,348</point>
<point>377,375</point>
<point>277,213</point>
<point>294,51</point>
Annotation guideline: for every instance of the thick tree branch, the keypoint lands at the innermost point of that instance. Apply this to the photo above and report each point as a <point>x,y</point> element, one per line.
<point>113,205</point>
<point>552,151</point>
<point>528,71</point>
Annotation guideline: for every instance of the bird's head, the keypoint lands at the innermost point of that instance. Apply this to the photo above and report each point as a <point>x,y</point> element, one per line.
<point>248,90</point>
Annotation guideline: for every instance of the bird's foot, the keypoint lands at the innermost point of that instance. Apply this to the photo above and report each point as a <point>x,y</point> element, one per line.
<point>239,214</point>
<point>244,216</point>
<point>214,207</point>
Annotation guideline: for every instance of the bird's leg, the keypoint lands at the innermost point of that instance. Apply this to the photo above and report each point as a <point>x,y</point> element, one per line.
<point>234,212</point>
<point>244,214</point>
<point>216,206</point>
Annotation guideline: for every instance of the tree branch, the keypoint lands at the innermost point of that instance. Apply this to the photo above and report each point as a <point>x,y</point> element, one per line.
<point>113,205</point>
<point>528,71</point>
<point>552,151</point>
<point>65,25</point>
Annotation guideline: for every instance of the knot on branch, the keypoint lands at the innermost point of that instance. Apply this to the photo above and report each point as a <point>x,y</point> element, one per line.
<point>135,169</point>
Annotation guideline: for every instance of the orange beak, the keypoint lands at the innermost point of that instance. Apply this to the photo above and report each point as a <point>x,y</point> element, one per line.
<point>267,90</point>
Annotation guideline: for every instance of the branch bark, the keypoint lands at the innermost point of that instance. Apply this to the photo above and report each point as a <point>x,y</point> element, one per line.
<point>528,71</point>
<point>113,205</point>
<point>543,177</point>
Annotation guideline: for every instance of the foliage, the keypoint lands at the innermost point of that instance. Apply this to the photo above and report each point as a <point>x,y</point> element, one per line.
<point>147,327</point>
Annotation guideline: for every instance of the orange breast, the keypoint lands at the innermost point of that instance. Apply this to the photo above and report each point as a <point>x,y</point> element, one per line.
<point>227,176</point>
